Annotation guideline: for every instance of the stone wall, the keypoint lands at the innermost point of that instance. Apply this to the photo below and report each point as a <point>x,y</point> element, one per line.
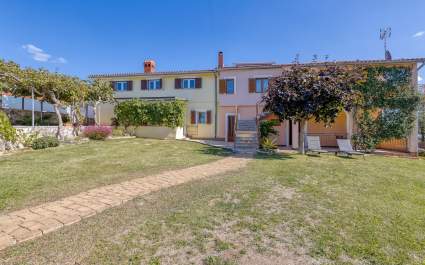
<point>45,130</point>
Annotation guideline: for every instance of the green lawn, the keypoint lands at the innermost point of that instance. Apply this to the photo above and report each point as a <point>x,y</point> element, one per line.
<point>32,177</point>
<point>278,210</point>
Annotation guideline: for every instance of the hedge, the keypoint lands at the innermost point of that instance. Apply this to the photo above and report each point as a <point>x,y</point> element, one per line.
<point>137,112</point>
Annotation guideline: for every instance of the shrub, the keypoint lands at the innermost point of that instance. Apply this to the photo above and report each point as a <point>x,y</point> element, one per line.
<point>118,131</point>
<point>150,113</point>
<point>268,144</point>
<point>266,128</point>
<point>7,132</point>
<point>26,138</point>
<point>45,142</point>
<point>97,132</point>
<point>130,130</point>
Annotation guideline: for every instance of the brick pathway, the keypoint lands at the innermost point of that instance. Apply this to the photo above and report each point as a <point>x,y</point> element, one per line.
<point>36,221</point>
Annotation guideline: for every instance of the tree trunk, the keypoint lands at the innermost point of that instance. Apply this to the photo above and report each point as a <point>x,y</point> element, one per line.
<point>59,132</point>
<point>75,121</point>
<point>301,137</point>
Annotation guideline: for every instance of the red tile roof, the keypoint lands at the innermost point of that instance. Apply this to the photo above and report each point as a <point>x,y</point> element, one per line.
<point>261,66</point>
<point>188,72</point>
<point>361,62</point>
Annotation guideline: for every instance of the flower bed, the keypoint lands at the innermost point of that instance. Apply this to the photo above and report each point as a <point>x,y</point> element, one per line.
<point>97,132</point>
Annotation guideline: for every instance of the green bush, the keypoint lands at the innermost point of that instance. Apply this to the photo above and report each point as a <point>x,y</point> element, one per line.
<point>45,142</point>
<point>268,144</point>
<point>387,107</point>
<point>150,113</point>
<point>118,131</point>
<point>26,138</point>
<point>267,128</point>
<point>7,131</point>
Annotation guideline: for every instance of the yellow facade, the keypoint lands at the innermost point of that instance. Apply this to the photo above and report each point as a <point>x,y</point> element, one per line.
<point>198,99</point>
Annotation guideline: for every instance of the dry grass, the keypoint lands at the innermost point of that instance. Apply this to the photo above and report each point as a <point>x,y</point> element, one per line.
<point>33,177</point>
<point>278,210</point>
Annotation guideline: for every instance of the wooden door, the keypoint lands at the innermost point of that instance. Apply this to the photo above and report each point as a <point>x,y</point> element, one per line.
<point>231,128</point>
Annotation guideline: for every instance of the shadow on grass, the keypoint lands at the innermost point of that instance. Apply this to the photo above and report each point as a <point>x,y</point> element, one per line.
<point>273,156</point>
<point>216,151</point>
<point>345,157</point>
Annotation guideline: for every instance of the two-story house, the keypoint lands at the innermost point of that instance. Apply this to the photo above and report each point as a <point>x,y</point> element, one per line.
<point>218,98</point>
<point>241,87</point>
<point>197,87</point>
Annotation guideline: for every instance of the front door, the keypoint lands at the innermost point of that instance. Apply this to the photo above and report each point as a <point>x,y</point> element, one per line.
<point>231,128</point>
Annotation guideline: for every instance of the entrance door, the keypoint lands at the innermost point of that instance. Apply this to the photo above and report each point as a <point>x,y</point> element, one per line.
<point>231,128</point>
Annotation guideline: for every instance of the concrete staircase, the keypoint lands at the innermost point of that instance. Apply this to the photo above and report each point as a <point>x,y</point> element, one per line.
<point>246,140</point>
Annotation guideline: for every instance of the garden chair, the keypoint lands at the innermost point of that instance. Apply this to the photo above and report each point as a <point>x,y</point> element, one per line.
<point>345,147</point>
<point>313,145</point>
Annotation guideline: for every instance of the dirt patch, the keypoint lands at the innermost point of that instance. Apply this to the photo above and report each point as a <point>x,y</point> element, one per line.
<point>277,196</point>
<point>236,241</point>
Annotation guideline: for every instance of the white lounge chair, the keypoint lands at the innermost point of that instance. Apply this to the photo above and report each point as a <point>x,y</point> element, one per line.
<point>345,147</point>
<point>313,145</point>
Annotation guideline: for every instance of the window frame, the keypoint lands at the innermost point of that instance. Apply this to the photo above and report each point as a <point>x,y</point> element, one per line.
<point>262,88</point>
<point>119,83</point>
<point>156,82</point>
<point>234,85</point>
<point>189,80</point>
<point>198,112</point>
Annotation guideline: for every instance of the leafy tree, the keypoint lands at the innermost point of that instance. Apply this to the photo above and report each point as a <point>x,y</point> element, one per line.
<point>57,89</point>
<point>99,92</point>
<point>387,107</point>
<point>303,93</point>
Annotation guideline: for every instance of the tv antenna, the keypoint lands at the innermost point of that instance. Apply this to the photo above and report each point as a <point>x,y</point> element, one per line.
<point>385,34</point>
<point>297,58</point>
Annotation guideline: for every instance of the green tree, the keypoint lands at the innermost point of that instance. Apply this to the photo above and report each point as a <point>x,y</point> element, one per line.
<point>99,92</point>
<point>304,93</point>
<point>387,108</point>
<point>57,89</point>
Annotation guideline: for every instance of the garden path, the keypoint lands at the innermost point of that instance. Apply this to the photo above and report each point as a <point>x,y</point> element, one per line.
<point>33,222</point>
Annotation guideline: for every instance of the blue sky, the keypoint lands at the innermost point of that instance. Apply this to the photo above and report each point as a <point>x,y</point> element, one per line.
<point>83,37</point>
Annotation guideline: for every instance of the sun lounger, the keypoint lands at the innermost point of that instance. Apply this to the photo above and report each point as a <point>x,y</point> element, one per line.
<point>345,147</point>
<point>313,145</point>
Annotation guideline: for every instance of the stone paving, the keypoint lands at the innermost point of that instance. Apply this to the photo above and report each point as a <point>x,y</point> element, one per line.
<point>36,221</point>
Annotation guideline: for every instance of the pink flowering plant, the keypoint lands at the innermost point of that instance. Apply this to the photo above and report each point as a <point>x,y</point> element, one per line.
<point>97,132</point>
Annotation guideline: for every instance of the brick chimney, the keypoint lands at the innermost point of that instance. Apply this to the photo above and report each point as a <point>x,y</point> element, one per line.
<point>149,66</point>
<point>220,60</point>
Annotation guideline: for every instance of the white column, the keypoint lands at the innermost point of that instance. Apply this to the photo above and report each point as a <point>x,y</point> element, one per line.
<point>349,119</point>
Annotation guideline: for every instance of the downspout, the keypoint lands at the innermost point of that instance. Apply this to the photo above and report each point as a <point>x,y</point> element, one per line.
<point>215,103</point>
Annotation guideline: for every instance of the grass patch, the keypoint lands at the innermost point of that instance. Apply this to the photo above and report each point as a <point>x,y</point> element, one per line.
<point>278,210</point>
<point>32,177</point>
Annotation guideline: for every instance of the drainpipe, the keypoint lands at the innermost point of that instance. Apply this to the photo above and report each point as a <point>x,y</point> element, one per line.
<point>215,103</point>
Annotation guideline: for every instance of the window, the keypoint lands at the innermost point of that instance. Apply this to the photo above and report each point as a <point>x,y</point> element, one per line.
<point>261,85</point>
<point>188,83</point>
<point>154,84</point>
<point>202,117</point>
<point>121,86</point>
<point>230,86</point>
